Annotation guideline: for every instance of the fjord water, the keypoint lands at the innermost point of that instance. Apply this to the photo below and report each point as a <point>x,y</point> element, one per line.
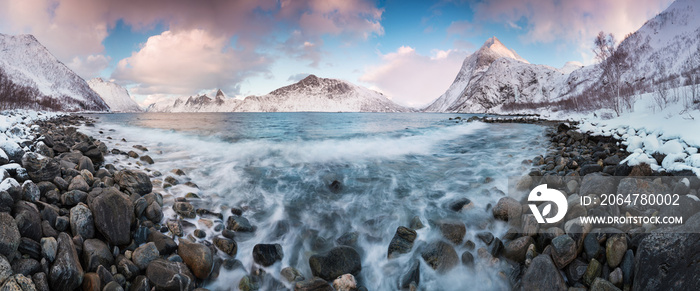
<point>392,167</point>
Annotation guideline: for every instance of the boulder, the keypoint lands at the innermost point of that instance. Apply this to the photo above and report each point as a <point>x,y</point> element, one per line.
<point>133,182</point>
<point>563,250</point>
<point>453,231</point>
<point>113,213</point>
<point>185,209</point>
<point>516,249</point>
<point>30,191</point>
<point>615,248</point>
<point>78,183</point>
<point>338,261</point>
<point>40,168</point>
<point>402,242</point>
<point>9,236</point>
<point>668,259</point>
<point>239,223</point>
<point>507,209</point>
<point>144,255</point>
<point>65,272</point>
<point>226,245</point>
<point>96,253</point>
<point>267,254</point>
<point>164,244</point>
<point>82,222</point>
<point>543,275</point>
<point>49,248</point>
<point>170,276</point>
<point>196,256</point>
<point>18,282</point>
<point>28,220</point>
<point>5,269</point>
<point>440,256</point>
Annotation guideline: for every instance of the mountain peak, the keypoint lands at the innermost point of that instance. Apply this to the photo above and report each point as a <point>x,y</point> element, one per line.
<point>493,49</point>
<point>220,94</point>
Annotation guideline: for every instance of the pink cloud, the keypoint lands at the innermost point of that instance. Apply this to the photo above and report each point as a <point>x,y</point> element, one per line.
<point>428,76</point>
<point>185,62</point>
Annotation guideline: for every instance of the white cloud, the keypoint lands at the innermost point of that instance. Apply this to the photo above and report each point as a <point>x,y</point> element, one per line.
<point>90,66</point>
<point>412,79</point>
<point>185,62</point>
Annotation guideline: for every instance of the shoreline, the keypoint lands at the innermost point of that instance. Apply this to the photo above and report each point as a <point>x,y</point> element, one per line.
<point>69,232</point>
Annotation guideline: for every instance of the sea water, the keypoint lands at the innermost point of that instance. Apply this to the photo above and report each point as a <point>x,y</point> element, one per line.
<point>277,167</point>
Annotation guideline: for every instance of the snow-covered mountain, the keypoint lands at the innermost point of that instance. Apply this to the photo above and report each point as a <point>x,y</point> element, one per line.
<point>661,51</point>
<point>310,94</point>
<point>28,63</point>
<point>117,97</point>
<point>493,75</point>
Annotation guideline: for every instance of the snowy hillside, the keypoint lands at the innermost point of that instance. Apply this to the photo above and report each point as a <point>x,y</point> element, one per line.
<point>310,94</point>
<point>494,75</point>
<point>28,63</point>
<point>662,52</point>
<point>117,97</point>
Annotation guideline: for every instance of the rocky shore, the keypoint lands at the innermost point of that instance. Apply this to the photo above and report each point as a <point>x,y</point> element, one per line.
<point>579,256</point>
<point>68,221</point>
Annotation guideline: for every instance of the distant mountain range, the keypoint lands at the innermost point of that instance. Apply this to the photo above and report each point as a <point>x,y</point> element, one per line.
<point>310,94</point>
<point>665,50</point>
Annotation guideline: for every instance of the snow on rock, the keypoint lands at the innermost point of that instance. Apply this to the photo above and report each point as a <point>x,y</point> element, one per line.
<point>117,97</point>
<point>310,94</point>
<point>28,63</point>
<point>8,183</point>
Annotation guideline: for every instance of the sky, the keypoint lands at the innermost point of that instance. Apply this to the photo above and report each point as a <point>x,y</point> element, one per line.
<point>410,51</point>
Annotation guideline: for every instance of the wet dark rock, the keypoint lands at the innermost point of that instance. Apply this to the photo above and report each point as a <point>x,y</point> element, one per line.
<point>496,248</point>
<point>412,276</point>
<point>6,202</point>
<point>313,284</point>
<point>600,284</point>
<point>85,163</point>
<point>26,267</point>
<point>105,275</point>
<point>563,250</point>
<point>592,247</point>
<point>113,213</point>
<point>197,257</point>
<point>40,168</point>
<point>185,209</point>
<point>292,275</point>
<point>154,212</point>
<point>28,220</point>
<point>73,197</point>
<point>30,247</point>
<point>30,191</point>
<point>239,223</point>
<point>170,276</point>
<point>627,267</point>
<point>459,204</point>
<point>133,182</point>
<point>144,255</point>
<point>60,183</point>
<point>615,248</point>
<point>147,159</point>
<point>593,271</point>
<point>164,244</point>
<point>485,237</point>
<point>267,254</point>
<point>335,186</point>
<point>338,261</point>
<point>440,256</point>
<point>454,231</point>
<point>416,223</point>
<point>127,268</point>
<point>516,249</point>
<point>402,242</point>
<point>66,273</point>
<point>507,209</point>
<point>467,259</point>
<point>597,184</point>
<point>41,281</point>
<point>113,286</point>
<point>575,270</point>
<point>62,223</point>
<point>348,239</point>
<point>49,248</point>
<point>91,282</point>
<point>668,259</point>
<point>96,253</point>
<point>78,183</point>
<point>226,245</point>
<point>543,275</point>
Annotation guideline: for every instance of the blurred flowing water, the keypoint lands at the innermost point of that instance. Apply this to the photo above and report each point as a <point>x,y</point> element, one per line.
<point>391,167</point>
